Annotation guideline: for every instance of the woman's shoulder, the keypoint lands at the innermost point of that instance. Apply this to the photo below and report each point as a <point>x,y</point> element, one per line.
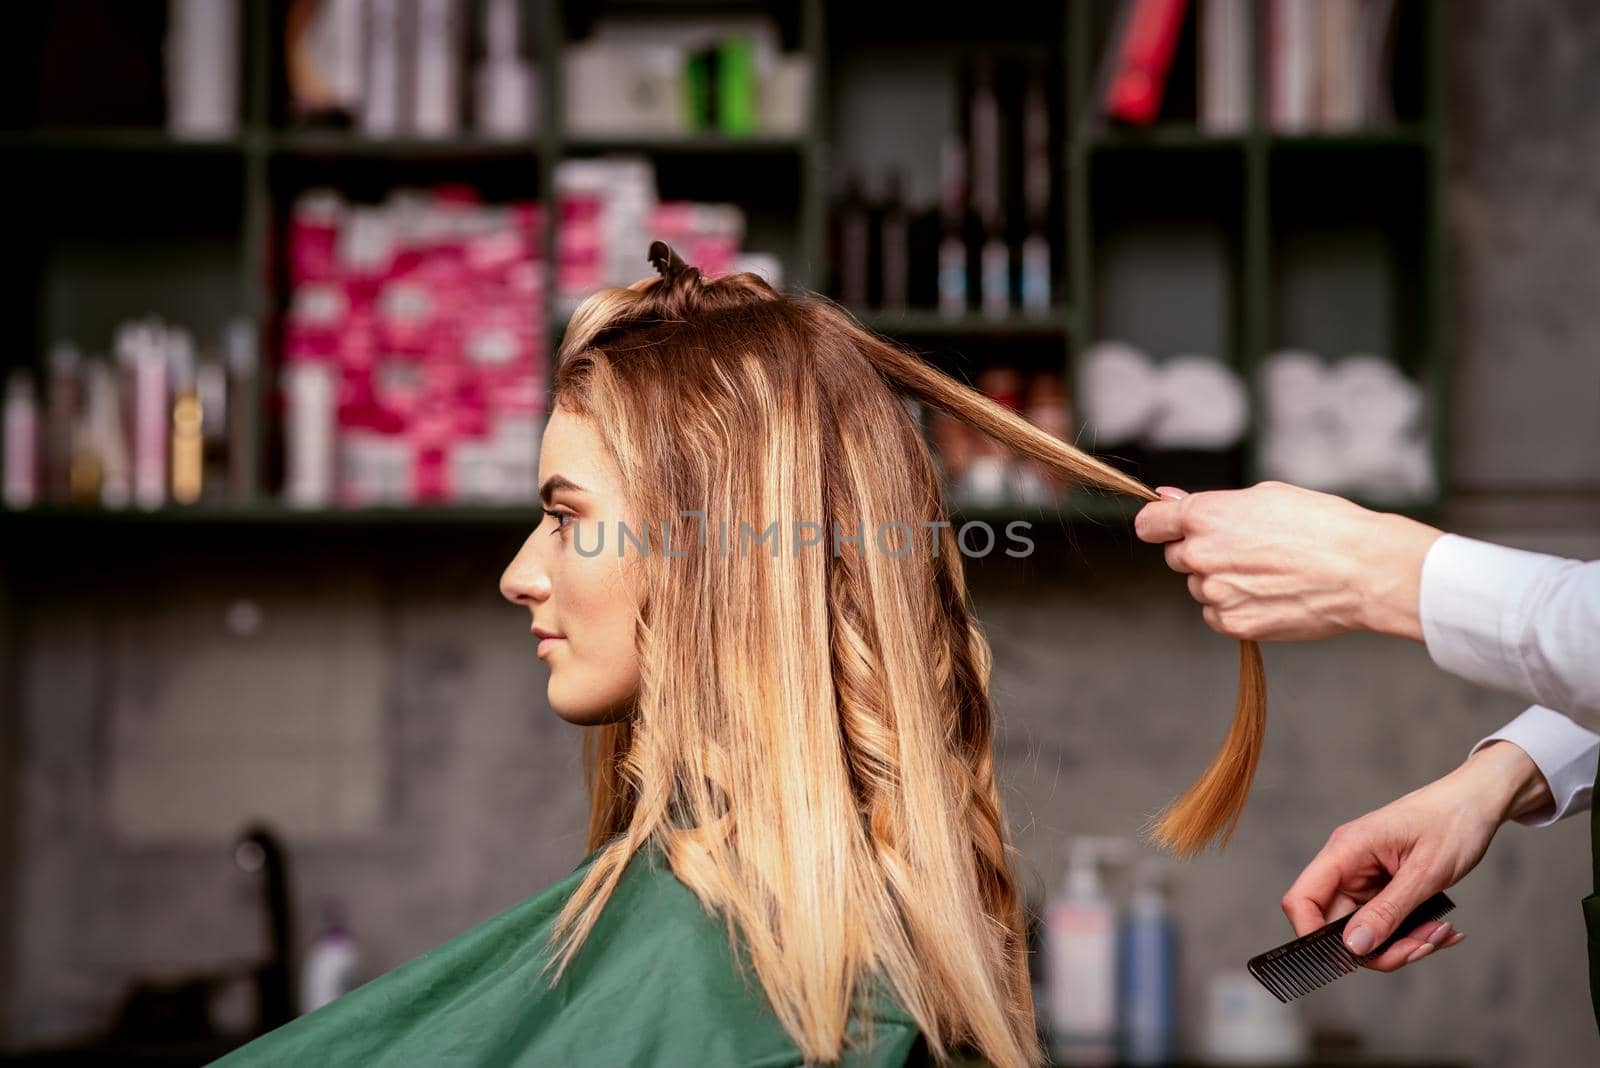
<point>658,937</point>
<point>691,997</point>
<point>656,982</point>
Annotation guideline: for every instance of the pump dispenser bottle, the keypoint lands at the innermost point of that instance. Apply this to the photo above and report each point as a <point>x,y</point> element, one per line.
<point>1081,938</point>
<point>1147,968</point>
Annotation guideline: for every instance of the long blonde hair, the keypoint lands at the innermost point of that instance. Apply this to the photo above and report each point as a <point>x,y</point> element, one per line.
<point>812,742</point>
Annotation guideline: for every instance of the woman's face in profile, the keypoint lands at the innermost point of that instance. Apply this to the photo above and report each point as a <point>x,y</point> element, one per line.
<point>584,603</point>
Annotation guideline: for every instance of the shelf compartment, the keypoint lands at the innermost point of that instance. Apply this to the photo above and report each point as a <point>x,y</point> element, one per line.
<point>164,238</point>
<point>1347,256</point>
<point>1168,254</point>
<point>1351,272</point>
<point>893,106</point>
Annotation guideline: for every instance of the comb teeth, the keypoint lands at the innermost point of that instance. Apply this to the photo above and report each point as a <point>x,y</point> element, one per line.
<point>1318,958</point>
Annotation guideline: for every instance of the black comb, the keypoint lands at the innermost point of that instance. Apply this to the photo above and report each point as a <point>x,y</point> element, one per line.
<point>1320,957</point>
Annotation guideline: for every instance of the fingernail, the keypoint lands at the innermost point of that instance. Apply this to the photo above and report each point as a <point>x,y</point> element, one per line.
<point>1455,939</point>
<point>1171,493</point>
<point>1420,952</point>
<point>1359,940</point>
<point>1440,933</point>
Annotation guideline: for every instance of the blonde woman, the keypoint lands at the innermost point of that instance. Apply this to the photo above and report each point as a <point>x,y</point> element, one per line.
<point>749,596</point>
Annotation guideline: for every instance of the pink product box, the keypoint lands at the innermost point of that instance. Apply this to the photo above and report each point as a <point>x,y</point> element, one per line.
<point>417,412</point>
<point>580,243</point>
<point>449,450</point>
<point>576,207</point>
<point>396,385</point>
<point>501,369</point>
<point>714,254</point>
<point>440,346</point>
<point>375,467</point>
<point>314,227</point>
<point>581,259</point>
<point>410,317</point>
<point>436,430</point>
<point>312,247</point>
<point>501,339</point>
<point>707,235</point>
<point>389,459</point>
<point>416,314</point>
<point>319,315</point>
<point>528,216</point>
<point>492,255</point>
<point>522,394</point>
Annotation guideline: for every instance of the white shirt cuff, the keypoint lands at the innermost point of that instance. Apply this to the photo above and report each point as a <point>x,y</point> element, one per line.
<point>1473,600</point>
<point>1565,753</point>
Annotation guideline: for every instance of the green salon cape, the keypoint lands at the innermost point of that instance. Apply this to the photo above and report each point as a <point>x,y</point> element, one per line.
<point>654,984</point>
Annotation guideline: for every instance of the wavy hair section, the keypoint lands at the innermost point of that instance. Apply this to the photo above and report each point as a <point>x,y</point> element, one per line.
<point>812,744</point>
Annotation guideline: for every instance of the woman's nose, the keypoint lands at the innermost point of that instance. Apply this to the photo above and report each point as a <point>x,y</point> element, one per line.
<point>524,581</point>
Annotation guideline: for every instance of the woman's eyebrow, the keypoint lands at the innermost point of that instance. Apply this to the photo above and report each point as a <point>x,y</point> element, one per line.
<point>558,482</point>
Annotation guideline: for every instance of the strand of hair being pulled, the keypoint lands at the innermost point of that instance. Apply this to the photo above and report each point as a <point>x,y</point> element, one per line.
<point>1209,810</point>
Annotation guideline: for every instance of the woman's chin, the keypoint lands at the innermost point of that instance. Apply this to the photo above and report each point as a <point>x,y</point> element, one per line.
<point>570,707</point>
<point>562,707</point>
<point>584,710</point>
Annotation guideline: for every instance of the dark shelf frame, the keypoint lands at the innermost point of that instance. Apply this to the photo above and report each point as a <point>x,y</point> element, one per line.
<point>1171,143</point>
<point>263,147</point>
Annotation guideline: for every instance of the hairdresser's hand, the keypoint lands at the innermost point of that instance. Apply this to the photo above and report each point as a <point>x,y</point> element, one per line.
<point>1279,563</point>
<point>1390,861</point>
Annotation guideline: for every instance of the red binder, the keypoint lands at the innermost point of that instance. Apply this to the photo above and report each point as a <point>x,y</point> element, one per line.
<point>1144,55</point>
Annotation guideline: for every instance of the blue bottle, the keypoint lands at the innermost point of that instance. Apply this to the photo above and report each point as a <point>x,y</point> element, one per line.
<point>1148,971</point>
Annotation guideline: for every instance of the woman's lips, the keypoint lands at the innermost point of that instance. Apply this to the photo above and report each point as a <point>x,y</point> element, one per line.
<point>547,640</point>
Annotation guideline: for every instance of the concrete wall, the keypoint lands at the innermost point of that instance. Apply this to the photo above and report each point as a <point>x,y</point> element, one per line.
<point>454,792</point>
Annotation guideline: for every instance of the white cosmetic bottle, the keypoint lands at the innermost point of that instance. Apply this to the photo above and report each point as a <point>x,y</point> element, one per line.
<point>1081,926</point>
<point>330,968</point>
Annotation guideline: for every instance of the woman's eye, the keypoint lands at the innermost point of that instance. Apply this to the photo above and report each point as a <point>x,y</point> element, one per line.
<point>560,518</point>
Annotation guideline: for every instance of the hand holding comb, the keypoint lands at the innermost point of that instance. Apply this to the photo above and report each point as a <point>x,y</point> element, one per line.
<point>1318,958</point>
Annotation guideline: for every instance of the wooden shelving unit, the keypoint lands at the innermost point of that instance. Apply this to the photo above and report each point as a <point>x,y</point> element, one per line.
<point>116,222</point>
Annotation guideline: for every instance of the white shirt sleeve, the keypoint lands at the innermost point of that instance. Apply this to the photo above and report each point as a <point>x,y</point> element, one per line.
<point>1565,753</point>
<point>1513,620</point>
